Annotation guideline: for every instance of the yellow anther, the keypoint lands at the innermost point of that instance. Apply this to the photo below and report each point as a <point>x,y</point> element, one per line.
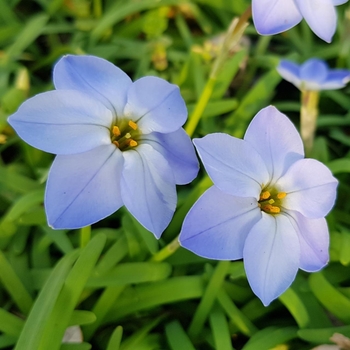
<point>271,201</point>
<point>127,135</point>
<point>281,195</point>
<point>116,131</point>
<point>132,125</point>
<point>116,143</point>
<point>274,209</point>
<point>265,195</point>
<point>133,143</point>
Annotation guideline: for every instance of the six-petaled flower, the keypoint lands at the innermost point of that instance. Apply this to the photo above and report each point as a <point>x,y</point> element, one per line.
<point>117,142</point>
<point>267,204</point>
<point>313,75</point>
<point>276,16</point>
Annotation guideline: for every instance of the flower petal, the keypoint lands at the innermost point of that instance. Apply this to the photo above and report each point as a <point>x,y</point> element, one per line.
<point>148,188</point>
<point>233,164</point>
<point>320,15</point>
<point>276,139</point>
<point>336,79</point>
<point>63,122</point>
<point>96,77</point>
<point>339,2</point>
<point>178,150</point>
<point>155,105</point>
<point>290,72</point>
<point>310,188</point>
<point>84,188</point>
<point>274,16</point>
<point>314,241</point>
<point>217,225</point>
<point>271,256</point>
<point>313,73</point>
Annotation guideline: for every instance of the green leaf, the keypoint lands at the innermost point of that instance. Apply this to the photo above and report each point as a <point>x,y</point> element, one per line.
<point>116,337</point>
<point>10,324</point>
<point>177,337</point>
<point>40,313</point>
<point>80,317</point>
<point>220,329</point>
<point>330,297</point>
<point>70,293</point>
<point>270,337</point>
<point>131,273</point>
<point>322,335</point>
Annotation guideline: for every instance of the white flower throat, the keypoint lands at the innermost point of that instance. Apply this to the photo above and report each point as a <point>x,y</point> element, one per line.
<point>125,135</point>
<point>271,200</point>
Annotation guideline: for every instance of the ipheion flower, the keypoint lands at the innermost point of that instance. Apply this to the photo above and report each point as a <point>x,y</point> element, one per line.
<point>267,204</point>
<point>276,16</point>
<point>313,75</point>
<point>117,142</point>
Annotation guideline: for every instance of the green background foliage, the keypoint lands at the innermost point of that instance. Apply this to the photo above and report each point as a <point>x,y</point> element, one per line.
<point>113,280</point>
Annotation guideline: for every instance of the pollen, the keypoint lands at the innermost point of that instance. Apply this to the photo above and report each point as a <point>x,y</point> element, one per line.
<point>132,125</point>
<point>127,135</point>
<point>133,143</point>
<point>116,131</point>
<point>281,195</point>
<point>265,195</point>
<point>271,201</point>
<point>274,209</point>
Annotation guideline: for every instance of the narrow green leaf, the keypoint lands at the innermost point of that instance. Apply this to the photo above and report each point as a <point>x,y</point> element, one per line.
<point>10,324</point>
<point>145,296</point>
<point>116,338</point>
<point>14,285</point>
<point>177,337</point>
<point>131,273</point>
<point>80,317</point>
<point>70,293</point>
<point>7,340</point>
<point>270,337</point>
<point>220,329</point>
<point>209,296</point>
<point>40,313</point>
<point>237,317</point>
<point>330,297</point>
<point>132,342</point>
<point>17,182</point>
<point>322,335</point>
<point>30,32</point>
<point>338,166</point>
<point>75,346</point>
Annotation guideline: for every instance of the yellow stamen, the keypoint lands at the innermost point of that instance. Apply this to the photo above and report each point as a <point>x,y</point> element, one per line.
<point>127,135</point>
<point>116,131</point>
<point>132,125</point>
<point>265,195</point>
<point>281,195</point>
<point>274,209</point>
<point>271,201</point>
<point>116,143</point>
<point>132,143</point>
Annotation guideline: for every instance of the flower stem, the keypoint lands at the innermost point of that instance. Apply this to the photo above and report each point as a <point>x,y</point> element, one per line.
<point>168,250</point>
<point>308,118</point>
<point>85,235</point>
<point>232,38</point>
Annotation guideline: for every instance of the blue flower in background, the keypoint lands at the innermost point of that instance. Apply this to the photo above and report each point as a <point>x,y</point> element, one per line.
<point>117,142</point>
<point>276,16</point>
<point>313,75</point>
<point>267,204</point>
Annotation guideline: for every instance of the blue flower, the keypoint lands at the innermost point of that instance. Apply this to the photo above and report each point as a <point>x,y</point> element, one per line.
<point>267,204</point>
<point>276,16</point>
<point>313,75</point>
<point>117,142</point>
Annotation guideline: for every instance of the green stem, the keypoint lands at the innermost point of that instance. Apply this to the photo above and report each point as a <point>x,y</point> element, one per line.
<point>308,118</point>
<point>232,38</point>
<point>85,236</point>
<point>168,250</point>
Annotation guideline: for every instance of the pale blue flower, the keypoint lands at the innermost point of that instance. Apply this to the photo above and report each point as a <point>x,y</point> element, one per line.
<point>267,204</point>
<point>276,16</point>
<point>314,75</point>
<point>117,142</point>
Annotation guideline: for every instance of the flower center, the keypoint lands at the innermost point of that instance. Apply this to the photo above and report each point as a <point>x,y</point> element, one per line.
<point>125,135</point>
<point>271,201</point>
